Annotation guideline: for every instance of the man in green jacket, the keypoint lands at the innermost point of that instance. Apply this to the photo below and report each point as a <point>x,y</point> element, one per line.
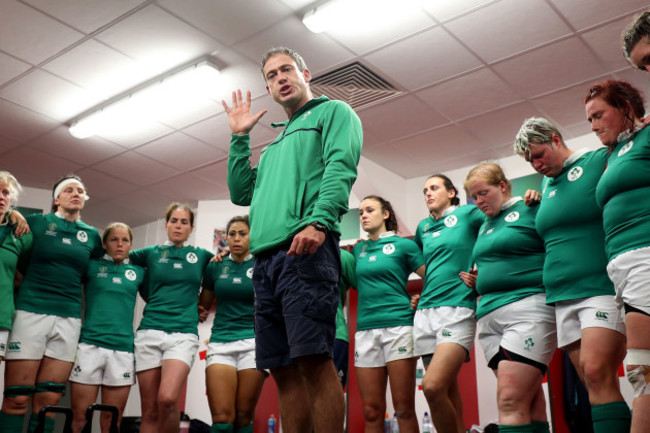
<point>297,194</point>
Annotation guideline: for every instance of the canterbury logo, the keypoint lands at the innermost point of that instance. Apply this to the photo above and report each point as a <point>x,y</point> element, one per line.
<point>14,346</point>
<point>601,315</point>
<point>446,334</point>
<point>401,349</point>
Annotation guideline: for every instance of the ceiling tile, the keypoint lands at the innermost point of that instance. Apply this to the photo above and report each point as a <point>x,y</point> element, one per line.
<point>215,173</point>
<point>21,124</point>
<point>186,187</point>
<point>406,19</point>
<point>545,69</point>
<point>146,131</point>
<point>441,143</point>
<point>370,140</point>
<point>135,168</point>
<point>578,130</point>
<point>11,67</point>
<point>87,151</point>
<point>319,51</point>
<point>239,72</point>
<point>416,116</point>
<point>48,94</point>
<point>98,68</point>
<point>223,19</point>
<point>157,39</point>
<point>584,13</point>
<point>443,11</point>
<point>436,56</point>
<point>101,186</point>
<point>564,107</point>
<point>147,201</point>
<point>469,94</point>
<point>519,31</point>
<point>6,144</point>
<point>100,214</point>
<point>181,151</point>
<point>87,15</point>
<point>606,43</point>
<point>393,159</point>
<point>499,127</point>
<point>30,35</point>
<point>36,169</point>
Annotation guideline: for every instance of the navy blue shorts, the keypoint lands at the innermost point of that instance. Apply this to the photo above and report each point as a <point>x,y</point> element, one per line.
<point>295,303</point>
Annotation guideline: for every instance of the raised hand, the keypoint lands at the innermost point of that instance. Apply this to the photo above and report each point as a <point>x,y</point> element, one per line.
<point>241,119</point>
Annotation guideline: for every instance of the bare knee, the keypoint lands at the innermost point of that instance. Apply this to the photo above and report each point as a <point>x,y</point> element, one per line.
<point>223,416</point>
<point>166,404</point>
<point>434,390</point>
<point>15,405</point>
<point>243,418</point>
<point>597,375</point>
<point>509,400</point>
<point>373,413</point>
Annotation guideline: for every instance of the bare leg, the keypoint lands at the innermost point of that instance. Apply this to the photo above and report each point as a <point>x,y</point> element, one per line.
<point>221,383</point>
<point>81,396</point>
<point>518,386</point>
<point>295,402</point>
<point>372,386</point>
<point>50,370</point>
<point>440,386</point>
<point>113,396</point>
<point>249,386</point>
<point>149,382</point>
<point>19,373</point>
<point>172,379</point>
<point>323,385</point>
<point>401,376</point>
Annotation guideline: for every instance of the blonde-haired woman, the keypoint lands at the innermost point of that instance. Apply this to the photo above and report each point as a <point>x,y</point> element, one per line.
<point>515,326</point>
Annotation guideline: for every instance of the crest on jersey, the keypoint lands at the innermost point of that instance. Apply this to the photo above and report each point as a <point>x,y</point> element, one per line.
<point>574,174</point>
<point>626,148</point>
<point>389,249</point>
<point>451,220</point>
<point>82,236</point>
<point>191,258</point>
<point>512,217</point>
<point>130,275</point>
<point>249,273</point>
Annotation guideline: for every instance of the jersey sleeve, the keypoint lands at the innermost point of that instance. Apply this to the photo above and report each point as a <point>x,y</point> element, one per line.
<point>25,252</point>
<point>208,276</point>
<point>348,271</point>
<point>418,236</point>
<point>241,176</point>
<point>139,257</point>
<point>342,138</point>
<point>414,257</point>
<point>98,249</point>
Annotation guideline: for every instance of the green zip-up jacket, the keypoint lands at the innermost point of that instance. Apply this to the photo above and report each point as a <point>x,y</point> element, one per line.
<point>304,175</point>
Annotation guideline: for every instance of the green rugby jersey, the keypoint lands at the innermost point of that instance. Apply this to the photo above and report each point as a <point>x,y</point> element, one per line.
<point>14,253</point>
<point>509,255</point>
<point>172,286</point>
<point>571,225</point>
<point>623,192</point>
<point>447,245</point>
<point>382,268</point>
<point>348,279</point>
<point>58,262</point>
<point>110,291</point>
<point>232,284</point>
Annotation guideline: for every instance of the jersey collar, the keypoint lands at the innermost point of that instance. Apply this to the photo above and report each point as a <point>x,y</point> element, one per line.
<point>110,259</point>
<point>171,244</point>
<point>387,234</point>
<point>510,202</point>
<point>574,157</point>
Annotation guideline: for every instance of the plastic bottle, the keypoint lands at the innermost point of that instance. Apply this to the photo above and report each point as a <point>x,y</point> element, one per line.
<point>387,426</point>
<point>271,424</point>
<point>394,428</point>
<point>427,425</point>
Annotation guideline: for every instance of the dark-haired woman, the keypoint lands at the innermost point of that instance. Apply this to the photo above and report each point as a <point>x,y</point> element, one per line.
<point>47,321</point>
<point>105,352</point>
<point>232,380</point>
<point>615,109</point>
<point>516,328</point>
<point>384,337</point>
<point>167,339</point>
<point>444,324</point>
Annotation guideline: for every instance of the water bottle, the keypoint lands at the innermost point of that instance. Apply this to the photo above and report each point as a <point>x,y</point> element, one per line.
<point>387,427</point>
<point>394,428</point>
<point>427,425</point>
<point>271,424</point>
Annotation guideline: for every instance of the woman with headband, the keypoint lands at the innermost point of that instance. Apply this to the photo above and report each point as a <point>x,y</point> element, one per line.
<point>47,321</point>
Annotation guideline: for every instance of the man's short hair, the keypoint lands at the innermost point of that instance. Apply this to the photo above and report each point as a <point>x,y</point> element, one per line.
<point>300,62</point>
<point>535,130</point>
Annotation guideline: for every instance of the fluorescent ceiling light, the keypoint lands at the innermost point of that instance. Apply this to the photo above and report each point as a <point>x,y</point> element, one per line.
<point>166,96</point>
<point>355,15</point>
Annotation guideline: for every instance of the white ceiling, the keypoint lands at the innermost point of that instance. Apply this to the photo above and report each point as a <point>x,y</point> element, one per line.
<point>470,72</point>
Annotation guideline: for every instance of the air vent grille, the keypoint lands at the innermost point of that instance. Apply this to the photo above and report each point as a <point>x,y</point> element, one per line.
<point>355,84</point>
